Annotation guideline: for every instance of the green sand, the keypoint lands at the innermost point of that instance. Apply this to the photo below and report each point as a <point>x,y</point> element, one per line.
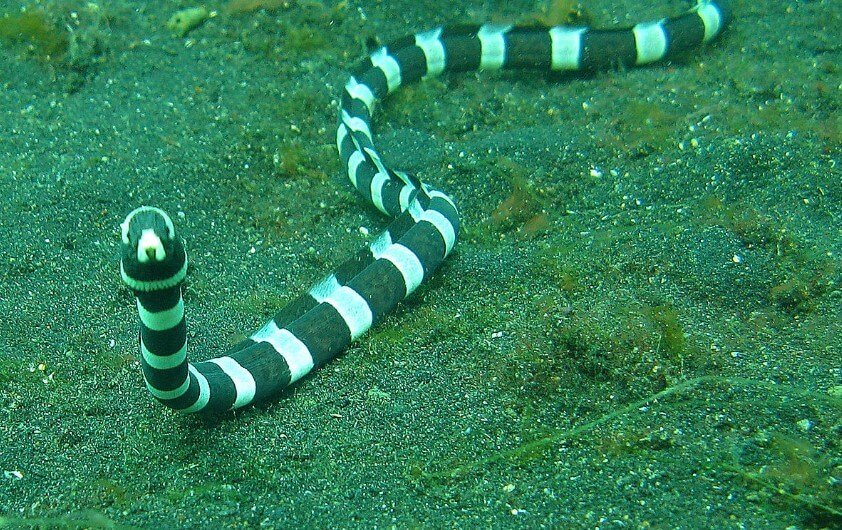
<point>639,328</point>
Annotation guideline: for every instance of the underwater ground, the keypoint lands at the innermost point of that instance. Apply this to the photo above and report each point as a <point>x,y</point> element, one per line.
<point>640,327</point>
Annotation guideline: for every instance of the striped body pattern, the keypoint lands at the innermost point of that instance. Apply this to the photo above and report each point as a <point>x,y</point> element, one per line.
<point>322,322</point>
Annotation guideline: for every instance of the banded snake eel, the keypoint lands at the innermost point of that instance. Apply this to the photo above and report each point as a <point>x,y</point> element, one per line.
<point>322,322</point>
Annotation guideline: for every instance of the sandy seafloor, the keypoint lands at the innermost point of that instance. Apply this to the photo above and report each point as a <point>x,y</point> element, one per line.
<point>640,327</point>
